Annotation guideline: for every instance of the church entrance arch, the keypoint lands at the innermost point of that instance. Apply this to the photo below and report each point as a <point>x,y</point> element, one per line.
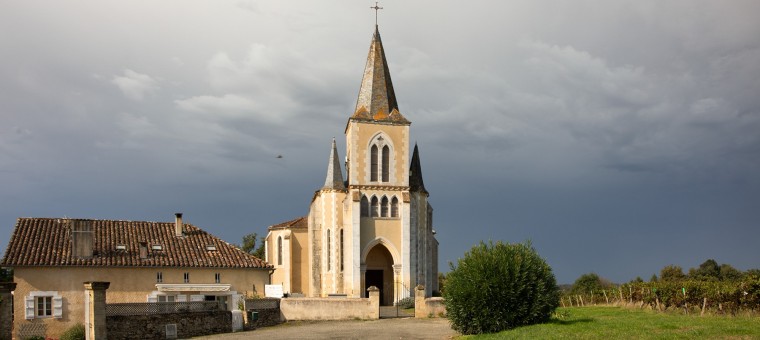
<point>379,273</point>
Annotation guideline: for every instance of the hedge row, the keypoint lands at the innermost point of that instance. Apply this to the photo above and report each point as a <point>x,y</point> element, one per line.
<point>730,297</point>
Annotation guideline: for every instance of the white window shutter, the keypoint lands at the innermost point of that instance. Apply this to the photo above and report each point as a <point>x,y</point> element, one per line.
<point>29,307</point>
<point>181,298</point>
<point>57,307</point>
<point>197,298</point>
<point>152,298</point>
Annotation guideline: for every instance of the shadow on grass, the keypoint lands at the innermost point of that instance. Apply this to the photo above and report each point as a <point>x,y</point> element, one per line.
<point>570,322</point>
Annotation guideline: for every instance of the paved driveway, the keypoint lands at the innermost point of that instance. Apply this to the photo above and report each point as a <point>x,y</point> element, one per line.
<point>400,328</point>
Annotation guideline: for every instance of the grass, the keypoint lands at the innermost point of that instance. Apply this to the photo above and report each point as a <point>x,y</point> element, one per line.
<point>625,323</point>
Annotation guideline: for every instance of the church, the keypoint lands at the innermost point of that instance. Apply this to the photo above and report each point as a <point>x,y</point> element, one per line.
<point>375,226</point>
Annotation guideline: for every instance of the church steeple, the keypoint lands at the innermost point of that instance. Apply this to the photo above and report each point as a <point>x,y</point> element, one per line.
<point>377,100</point>
<point>415,172</point>
<point>334,178</point>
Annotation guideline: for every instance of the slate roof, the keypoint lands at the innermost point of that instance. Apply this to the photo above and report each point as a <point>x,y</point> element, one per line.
<point>295,223</point>
<point>377,99</point>
<point>48,242</point>
<point>334,179</point>
<point>415,172</point>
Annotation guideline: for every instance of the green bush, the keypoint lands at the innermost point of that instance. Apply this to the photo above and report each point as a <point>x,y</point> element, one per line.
<point>499,286</point>
<point>75,332</point>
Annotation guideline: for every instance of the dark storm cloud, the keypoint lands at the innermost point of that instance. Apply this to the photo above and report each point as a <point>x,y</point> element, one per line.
<point>619,137</point>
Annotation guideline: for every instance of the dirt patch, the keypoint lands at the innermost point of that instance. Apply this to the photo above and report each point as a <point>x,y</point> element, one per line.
<point>397,328</point>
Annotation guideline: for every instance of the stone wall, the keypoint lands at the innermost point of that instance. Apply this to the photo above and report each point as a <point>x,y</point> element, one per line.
<point>154,326</point>
<point>332,308</point>
<point>6,309</point>
<point>268,309</point>
<point>267,317</point>
<point>433,307</point>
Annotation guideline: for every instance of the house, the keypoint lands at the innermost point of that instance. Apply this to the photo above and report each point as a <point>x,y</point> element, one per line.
<point>375,228</point>
<point>143,261</point>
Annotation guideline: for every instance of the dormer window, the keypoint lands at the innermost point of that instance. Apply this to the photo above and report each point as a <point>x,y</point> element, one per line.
<point>121,247</point>
<point>156,247</point>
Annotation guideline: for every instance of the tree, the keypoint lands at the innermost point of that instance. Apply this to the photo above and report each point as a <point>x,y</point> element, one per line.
<point>441,282</point>
<point>590,282</point>
<point>672,273</point>
<point>707,271</point>
<point>249,245</point>
<point>499,286</point>
<point>752,273</point>
<point>729,273</point>
<point>6,274</point>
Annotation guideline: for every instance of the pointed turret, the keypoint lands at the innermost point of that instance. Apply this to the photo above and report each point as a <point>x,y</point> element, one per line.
<point>377,101</point>
<point>334,178</point>
<point>415,172</point>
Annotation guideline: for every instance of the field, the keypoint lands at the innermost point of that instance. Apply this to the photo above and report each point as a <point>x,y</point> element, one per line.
<point>633,323</point>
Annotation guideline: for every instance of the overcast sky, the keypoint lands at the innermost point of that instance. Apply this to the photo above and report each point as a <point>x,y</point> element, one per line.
<point>617,136</point>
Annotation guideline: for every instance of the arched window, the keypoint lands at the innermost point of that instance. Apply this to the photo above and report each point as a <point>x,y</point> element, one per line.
<point>341,250</point>
<point>364,207</point>
<point>373,165</point>
<point>279,250</point>
<point>329,251</point>
<point>384,207</point>
<point>374,208</point>
<point>394,207</point>
<point>386,163</point>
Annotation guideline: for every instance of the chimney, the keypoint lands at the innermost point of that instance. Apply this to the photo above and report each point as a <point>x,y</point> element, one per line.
<point>81,238</point>
<point>178,224</point>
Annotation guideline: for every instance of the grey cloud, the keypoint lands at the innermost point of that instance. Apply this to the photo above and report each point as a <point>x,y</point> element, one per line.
<point>135,85</point>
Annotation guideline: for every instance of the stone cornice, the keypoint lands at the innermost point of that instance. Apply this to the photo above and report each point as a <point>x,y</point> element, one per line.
<point>378,187</point>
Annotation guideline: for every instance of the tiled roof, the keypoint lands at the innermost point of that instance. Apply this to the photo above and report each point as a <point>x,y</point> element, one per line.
<point>300,222</point>
<point>48,242</point>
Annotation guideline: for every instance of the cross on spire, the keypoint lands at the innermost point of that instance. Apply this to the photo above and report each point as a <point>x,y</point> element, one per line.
<point>376,8</point>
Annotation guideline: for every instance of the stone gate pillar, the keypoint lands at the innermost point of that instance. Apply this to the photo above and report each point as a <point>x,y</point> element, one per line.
<point>95,310</point>
<point>420,308</point>
<point>6,310</point>
<point>374,301</point>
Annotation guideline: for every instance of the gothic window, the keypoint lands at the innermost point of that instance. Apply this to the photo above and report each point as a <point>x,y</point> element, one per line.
<point>374,207</point>
<point>373,166</point>
<point>386,163</point>
<point>394,207</point>
<point>341,250</point>
<point>279,251</point>
<point>329,252</point>
<point>384,207</point>
<point>364,207</point>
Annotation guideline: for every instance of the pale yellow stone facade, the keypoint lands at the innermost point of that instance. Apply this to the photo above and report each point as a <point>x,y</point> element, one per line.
<point>127,285</point>
<point>374,228</point>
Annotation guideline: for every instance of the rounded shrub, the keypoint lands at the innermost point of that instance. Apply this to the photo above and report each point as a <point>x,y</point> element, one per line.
<point>499,286</point>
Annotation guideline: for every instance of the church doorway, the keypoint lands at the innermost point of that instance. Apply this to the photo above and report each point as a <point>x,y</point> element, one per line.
<point>374,278</point>
<point>379,273</point>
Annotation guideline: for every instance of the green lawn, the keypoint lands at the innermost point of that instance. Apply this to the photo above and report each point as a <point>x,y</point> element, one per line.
<point>625,323</point>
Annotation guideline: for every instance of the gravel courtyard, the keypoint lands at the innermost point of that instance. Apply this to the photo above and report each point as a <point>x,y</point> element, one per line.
<point>400,328</point>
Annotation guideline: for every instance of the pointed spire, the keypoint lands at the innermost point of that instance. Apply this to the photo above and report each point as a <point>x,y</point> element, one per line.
<point>377,100</point>
<point>334,178</point>
<point>415,172</point>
